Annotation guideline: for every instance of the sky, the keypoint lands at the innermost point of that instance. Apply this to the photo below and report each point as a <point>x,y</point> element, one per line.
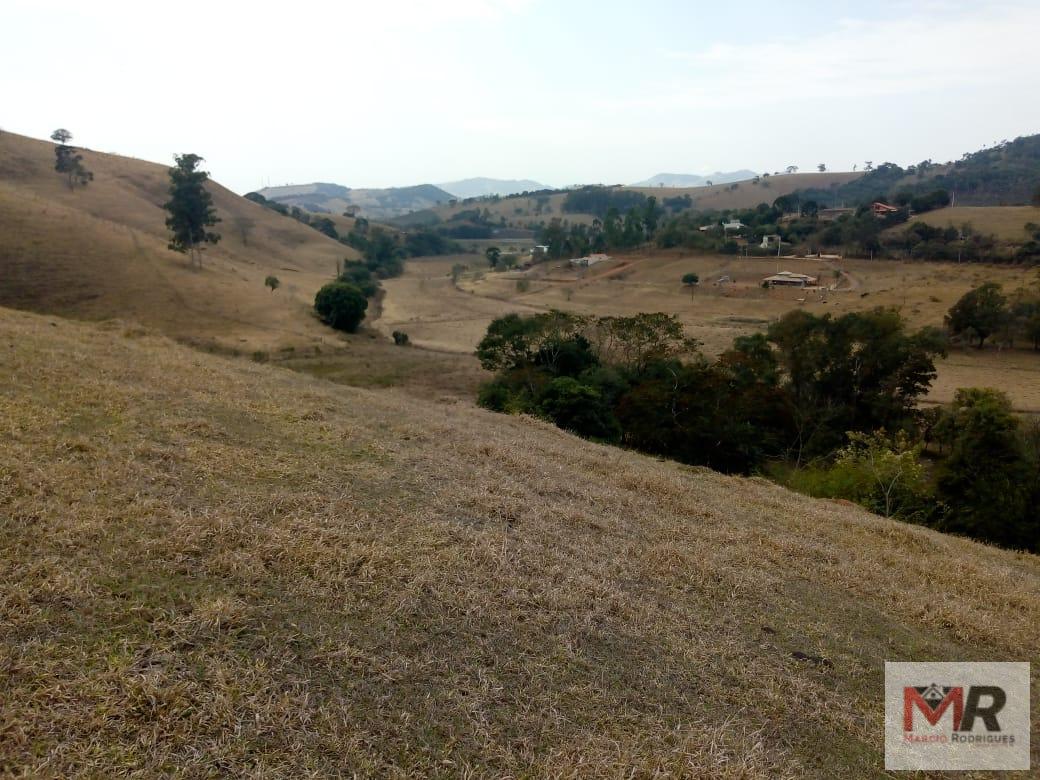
<point>399,92</point>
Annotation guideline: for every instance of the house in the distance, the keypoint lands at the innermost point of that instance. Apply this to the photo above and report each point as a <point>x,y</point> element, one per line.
<point>734,224</point>
<point>790,279</point>
<point>771,241</point>
<point>882,209</point>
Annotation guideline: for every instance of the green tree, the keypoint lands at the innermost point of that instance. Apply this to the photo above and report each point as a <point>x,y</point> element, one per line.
<point>821,168</point>
<point>580,408</point>
<point>690,279</point>
<point>651,217</point>
<point>272,282</point>
<point>341,306</point>
<point>986,479</point>
<point>493,255</point>
<point>68,161</point>
<point>979,313</point>
<point>190,208</point>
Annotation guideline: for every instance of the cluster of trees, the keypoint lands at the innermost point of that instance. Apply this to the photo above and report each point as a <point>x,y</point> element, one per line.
<point>598,201</point>
<point>986,311</point>
<point>68,161</point>
<point>638,225</point>
<point>825,404</point>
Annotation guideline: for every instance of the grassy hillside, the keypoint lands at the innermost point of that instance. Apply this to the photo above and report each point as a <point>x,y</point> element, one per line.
<point>1007,223</point>
<point>101,252</point>
<point>216,568</point>
<point>520,210</point>
<point>373,203</point>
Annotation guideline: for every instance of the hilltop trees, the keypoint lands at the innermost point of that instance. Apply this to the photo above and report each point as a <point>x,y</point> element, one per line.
<point>68,161</point>
<point>190,208</point>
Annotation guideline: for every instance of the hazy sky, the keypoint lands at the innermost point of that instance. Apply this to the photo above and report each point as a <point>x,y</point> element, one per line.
<point>394,92</point>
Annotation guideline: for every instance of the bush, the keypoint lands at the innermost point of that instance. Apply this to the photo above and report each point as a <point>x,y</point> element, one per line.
<point>579,408</point>
<point>401,338</point>
<point>341,306</point>
<point>494,395</point>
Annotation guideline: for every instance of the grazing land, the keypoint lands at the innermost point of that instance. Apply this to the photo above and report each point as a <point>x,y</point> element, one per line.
<point>728,302</point>
<point>101,252</point>
<point>222,566</point>
<point>1007,223</point>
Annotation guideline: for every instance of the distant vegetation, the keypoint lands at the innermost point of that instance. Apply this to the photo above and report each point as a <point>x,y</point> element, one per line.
<point>828,405</point>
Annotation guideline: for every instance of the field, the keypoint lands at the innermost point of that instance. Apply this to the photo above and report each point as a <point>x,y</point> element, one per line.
<point>1007,223</point>
<point>446,316</point>
<point>100,252</point>
<point>218,567</point>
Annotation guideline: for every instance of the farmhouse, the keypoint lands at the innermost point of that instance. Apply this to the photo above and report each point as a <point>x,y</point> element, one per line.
<point>882,209</point>
<point>789,279</point>
<point>771,241</point>
<point>733,224</point>
<point>585,262</point>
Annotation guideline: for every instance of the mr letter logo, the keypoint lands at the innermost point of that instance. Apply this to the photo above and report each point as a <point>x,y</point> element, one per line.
<point>956,716</point>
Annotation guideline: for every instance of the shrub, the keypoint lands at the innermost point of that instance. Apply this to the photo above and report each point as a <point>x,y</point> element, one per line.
<point>341,306</point>
<point>580,409</point>
<point>401,338</point>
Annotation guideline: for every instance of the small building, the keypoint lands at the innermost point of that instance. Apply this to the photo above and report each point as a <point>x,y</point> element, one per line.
<point>539,251</point>
<point>771,241</point>
<point>882,209</point>
<point>790,279</point>
<point>734,224</point>
<point>585,262</point>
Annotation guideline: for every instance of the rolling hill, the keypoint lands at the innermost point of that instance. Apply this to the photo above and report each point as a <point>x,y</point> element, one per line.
<point>480,187</point>
<point>217,567</point>
<point>372,203</point>
<point>695,180</point>
<point>101,252</point>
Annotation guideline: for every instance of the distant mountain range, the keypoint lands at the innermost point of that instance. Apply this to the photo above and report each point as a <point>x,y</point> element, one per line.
<point>695,180</point>
<point>373,203</point>
<point>481,186</point>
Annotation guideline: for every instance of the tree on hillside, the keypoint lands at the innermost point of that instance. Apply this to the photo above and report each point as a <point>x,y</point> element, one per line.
<point>341,306</point>
<point>821,168</point>
<point>190,208</point>
<point>986,479</point>
<point>690,279</point>
<point>493,255</point>
<point>272,282</point>
<point>869,166</point>
<point>979,313</point>
<point>792,169</point>
<point>68,161</point>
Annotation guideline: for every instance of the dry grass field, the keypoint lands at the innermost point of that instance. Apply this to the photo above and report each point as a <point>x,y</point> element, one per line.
<point>444,316</point>
<point>1007,223</point>
<point>216,568</point>
<point>100,252</point>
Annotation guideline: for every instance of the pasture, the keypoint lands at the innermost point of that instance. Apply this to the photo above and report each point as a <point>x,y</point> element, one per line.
<point>728,302</point>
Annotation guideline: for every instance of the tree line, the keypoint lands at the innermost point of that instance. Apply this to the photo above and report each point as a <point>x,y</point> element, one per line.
<point>819,399</point>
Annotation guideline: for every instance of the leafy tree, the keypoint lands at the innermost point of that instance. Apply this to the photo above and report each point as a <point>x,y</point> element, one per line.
<point>190,208</point>
<point>341,306</point>
<point>272,282</point>
<point>979,313</point>
<point>580,408</point>
<point>690,279</point>
<point>792,169</point>
<point>68,161</point>
<point>383,255</point>
<point>359,275</point>
<point>651,217</point>
<point>986,479</point>
<point>821,168</point>
<point>493,255</point>
<point>400,338</point>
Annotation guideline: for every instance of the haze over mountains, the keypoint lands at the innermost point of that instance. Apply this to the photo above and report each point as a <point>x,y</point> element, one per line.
<point>374,203</point>
<point>694,179</point>
<point>480,186</point>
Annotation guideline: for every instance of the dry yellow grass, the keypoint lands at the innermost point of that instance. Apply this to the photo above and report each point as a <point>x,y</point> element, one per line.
<point>446,317</point>
<point>1007,223</point>
<point>100,252</point>
<point>216,568</point>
